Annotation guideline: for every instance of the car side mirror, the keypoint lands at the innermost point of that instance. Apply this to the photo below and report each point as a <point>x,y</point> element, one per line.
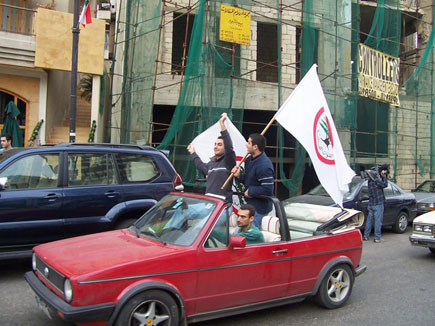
<point>237,241</point>
<point>3,183</point>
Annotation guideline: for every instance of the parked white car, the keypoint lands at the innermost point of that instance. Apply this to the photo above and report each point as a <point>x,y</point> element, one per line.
<point>423,231</point>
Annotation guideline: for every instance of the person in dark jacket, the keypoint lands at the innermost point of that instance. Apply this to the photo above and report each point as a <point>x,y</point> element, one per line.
<point>377,181</point>
<point>258,177</point>
<point>218,169</point>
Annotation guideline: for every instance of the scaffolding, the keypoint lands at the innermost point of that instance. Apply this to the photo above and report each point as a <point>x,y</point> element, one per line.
<point>212,76</point>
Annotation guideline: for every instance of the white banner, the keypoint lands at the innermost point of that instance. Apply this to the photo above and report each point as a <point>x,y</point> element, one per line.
<point>305,114</point>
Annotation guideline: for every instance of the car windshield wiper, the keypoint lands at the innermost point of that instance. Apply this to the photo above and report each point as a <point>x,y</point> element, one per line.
<point>150,232</point>
<point>136,230</point>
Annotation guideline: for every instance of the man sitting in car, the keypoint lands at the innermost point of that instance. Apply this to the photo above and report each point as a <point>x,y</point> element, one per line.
<point>245,228</point>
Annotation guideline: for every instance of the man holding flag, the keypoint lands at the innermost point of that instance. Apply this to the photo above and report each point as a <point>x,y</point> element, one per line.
<point>219,167</point>
<point>258,177</point>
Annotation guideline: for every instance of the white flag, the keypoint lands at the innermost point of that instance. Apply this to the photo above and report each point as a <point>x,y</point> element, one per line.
<point>204,142</point>
<point>305,114</point>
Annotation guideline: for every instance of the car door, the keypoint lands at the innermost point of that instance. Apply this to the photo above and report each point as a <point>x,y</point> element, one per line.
<point>142,177</point>
<point>393,202</point>
<point>30,208</point>
<point>230,277</point>
<point>362,200</point>
<point>91,190</point>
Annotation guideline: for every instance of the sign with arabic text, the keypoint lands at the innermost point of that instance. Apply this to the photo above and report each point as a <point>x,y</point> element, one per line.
<point>235,25</point>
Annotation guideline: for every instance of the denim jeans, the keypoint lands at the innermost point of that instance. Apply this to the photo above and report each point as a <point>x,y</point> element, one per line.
<point>376,215</point>
<point>257,220</point>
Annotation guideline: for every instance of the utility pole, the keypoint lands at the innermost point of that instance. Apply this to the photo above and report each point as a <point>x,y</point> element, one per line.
<point>75,50</point>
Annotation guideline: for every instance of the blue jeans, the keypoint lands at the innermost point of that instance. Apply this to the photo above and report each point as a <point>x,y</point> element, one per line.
<point>376,214</point>
<point>257,220</point>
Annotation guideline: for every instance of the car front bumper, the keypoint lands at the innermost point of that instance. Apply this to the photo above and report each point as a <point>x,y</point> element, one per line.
<point>360,269</point>
<point>64,310</point>
<point>422,240</point>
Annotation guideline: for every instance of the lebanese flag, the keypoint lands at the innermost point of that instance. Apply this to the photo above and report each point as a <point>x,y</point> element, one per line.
<point>85,16</point>
<point>305,114</point>
<point>203,144</point>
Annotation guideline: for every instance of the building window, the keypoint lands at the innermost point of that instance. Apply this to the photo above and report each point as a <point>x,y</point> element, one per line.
<point>178,38</point>
<point>371,137</point>
<point>267,52</point>
<point>22,105</point>
<point>229,53</point>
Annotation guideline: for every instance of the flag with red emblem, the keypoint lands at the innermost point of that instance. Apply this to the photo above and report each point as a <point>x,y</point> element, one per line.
<point>305,114</point>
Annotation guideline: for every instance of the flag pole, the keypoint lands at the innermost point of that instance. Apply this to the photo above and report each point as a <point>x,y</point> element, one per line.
<point>73,96</point>
<point>246,155</point>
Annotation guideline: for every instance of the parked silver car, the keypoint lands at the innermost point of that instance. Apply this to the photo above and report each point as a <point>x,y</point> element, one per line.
<point>423,234</point>
<point>425,195</point>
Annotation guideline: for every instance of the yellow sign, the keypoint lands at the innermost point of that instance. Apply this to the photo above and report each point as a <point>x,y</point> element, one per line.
<point>378,75</point>
<point>235,25</point>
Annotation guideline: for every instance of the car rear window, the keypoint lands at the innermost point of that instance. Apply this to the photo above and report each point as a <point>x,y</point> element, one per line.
<point>137,168</point>
<point>86,169</point>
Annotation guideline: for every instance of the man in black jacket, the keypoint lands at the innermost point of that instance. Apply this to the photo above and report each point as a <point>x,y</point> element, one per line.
<point>218,169</point>
<point>258,177</point>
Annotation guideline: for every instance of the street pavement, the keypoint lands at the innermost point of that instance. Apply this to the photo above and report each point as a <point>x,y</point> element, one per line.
<point>397,289</point>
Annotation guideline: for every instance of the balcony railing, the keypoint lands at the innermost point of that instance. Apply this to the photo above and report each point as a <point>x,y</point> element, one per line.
<point>16,19</point>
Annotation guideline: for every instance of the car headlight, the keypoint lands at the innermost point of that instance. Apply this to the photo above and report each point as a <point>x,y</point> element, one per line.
<point>427,228</point>
<point>423,228</point>
<point>34,262</point>
<point>426,206</point>
<point>67,290</point>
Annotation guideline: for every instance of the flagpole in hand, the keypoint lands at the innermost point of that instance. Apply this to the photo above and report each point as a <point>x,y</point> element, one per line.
<point>246,155</point>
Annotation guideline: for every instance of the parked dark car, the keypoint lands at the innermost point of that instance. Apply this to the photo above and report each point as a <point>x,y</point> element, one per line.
<point>425,195</point>
<point>67,190</point>
<point>400,206</point>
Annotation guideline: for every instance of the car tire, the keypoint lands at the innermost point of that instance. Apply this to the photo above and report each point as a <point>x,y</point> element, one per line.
<point>401,223</point>
<point>125,223</point>
<point>149,308</point>
<point>432,250</point>
<point>336,287</point>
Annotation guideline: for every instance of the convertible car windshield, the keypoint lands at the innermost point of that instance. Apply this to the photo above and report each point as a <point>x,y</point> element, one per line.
<point>174,219</point>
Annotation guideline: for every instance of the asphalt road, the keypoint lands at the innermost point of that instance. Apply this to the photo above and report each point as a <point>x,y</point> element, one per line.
<point>397,289</point>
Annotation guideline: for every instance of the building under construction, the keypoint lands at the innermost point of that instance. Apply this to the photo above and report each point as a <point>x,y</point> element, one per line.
<point>174,72</point>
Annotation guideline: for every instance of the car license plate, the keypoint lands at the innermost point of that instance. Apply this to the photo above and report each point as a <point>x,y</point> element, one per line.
<point>41,305</point>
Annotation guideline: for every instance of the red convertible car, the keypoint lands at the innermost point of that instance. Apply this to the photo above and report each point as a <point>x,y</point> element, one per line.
<point>170,268</point>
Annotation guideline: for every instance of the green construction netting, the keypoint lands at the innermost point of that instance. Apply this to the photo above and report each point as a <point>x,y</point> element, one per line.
<point>137,38</point>
<point>211,86</point>
<point>214,80</point>
<point>420,86</point>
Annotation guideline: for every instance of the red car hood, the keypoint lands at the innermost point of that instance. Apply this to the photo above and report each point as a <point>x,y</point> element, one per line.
<point>98,252</point>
